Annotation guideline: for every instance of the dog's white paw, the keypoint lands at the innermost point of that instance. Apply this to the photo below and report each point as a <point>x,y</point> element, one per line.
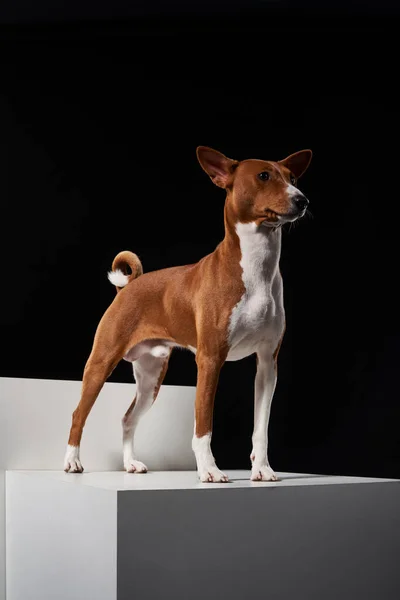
<point>72,464</point>
<point>263,473</point>
<point>135,466</point>
<point>213,475</point>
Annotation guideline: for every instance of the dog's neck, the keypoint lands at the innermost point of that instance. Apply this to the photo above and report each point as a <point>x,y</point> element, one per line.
<point>256,248</point>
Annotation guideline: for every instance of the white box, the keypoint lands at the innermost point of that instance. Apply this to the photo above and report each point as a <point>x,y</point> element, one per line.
<point>35,417</point>
<point>118,536</point>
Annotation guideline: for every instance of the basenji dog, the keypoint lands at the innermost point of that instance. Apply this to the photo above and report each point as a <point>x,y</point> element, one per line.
<point>227,306</point>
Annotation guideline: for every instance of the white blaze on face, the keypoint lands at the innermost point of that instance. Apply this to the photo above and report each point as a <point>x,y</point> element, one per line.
<point>293,191</point>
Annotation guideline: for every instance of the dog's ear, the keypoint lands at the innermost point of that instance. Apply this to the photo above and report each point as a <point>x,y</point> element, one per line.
<point>216,165</point>
<point>298,162</point>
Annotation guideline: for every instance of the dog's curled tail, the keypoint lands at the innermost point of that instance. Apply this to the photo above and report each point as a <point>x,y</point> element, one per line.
<point>126,267</point>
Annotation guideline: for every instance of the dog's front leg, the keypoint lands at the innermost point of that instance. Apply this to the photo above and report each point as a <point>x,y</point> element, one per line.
<point>208,368</point>
<point>264,390</point>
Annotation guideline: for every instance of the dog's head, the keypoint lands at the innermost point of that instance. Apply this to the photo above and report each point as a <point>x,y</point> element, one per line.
<point>264,192</point>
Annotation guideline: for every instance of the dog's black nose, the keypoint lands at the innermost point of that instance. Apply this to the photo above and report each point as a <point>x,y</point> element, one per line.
<point>301,202</point>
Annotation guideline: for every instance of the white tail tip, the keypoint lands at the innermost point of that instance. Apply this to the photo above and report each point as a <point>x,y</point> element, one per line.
<point>118,278</point>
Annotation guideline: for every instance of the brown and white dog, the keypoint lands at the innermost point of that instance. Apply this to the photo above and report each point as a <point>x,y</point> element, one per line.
<point>225,307</point>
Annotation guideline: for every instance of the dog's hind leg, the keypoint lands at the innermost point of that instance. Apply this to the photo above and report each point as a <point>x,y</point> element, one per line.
<point>98,368</point>
<point>149,372</point>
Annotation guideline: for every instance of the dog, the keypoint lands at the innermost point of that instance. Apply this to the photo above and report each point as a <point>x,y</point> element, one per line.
<point>225,307</point>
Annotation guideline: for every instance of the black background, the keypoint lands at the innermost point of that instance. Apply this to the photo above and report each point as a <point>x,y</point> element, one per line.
<point>100,114</point>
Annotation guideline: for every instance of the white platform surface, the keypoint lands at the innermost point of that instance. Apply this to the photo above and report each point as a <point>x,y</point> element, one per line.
<point>187,480</point>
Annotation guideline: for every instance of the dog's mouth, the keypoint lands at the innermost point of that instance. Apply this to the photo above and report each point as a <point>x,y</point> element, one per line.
<point>273,218</point>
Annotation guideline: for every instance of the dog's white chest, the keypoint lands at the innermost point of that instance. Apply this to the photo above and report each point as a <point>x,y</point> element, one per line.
<point>258,317</point>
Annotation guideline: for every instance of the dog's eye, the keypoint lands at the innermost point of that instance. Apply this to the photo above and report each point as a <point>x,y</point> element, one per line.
<point>264,176</point>
<point>293,180</point>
